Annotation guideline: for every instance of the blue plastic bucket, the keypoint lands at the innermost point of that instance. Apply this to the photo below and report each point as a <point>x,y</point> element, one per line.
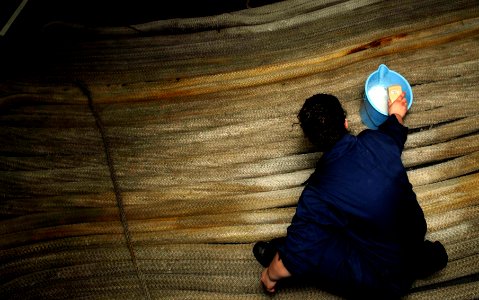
<point>374,109</point>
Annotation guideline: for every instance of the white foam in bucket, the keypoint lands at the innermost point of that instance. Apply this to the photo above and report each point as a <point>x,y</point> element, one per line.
<point>374,110</point>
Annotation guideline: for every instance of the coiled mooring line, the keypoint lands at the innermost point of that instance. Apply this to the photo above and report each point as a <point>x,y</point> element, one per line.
<point>119,200</point>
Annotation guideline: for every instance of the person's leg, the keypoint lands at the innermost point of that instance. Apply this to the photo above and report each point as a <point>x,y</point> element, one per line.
<point>433,258</point>
<point>264,252</point>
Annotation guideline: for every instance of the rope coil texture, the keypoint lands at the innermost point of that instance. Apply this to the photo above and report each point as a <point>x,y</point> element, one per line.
<point>116,188</point>
<point>193,124</point>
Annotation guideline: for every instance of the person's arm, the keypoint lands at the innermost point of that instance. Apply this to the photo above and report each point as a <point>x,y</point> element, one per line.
<point>394,124</point>
<point>308,240</point>
<point>273,273</point>
<point>398,107</point>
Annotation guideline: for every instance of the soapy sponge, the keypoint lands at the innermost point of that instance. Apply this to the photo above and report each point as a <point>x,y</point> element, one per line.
<point>394,91</point>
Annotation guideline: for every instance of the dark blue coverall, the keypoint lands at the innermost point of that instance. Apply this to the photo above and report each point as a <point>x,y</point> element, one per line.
<point>358,223</point>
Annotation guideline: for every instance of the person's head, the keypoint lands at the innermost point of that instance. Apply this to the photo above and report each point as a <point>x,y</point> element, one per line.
<point>323,120</point>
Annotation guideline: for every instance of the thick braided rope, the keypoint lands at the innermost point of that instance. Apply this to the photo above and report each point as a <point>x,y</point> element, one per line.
<point>116,188</point>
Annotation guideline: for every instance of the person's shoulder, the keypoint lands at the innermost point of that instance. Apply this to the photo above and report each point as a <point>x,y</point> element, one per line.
<point>375,139</point>
<point>369,133</point>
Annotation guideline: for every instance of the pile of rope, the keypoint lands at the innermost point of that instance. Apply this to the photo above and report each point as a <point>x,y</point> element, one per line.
<point>143,162</point>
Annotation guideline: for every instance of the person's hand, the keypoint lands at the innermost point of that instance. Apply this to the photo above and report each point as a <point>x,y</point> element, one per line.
<point>268,283</point>
<point>273,273</point>
<point>398,107</point>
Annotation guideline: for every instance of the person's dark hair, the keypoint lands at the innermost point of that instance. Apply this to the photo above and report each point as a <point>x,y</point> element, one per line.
<point>322,120</point>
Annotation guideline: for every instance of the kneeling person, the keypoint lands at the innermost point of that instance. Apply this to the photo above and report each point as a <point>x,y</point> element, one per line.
<point>358,230</point>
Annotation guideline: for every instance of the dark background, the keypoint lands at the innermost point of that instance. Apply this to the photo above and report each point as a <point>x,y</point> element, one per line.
<point>26,43</point>
<point>114,13</point>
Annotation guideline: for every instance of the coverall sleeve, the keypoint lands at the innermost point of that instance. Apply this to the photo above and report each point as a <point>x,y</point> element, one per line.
<point>395,130</point>
<point>314,239</point>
